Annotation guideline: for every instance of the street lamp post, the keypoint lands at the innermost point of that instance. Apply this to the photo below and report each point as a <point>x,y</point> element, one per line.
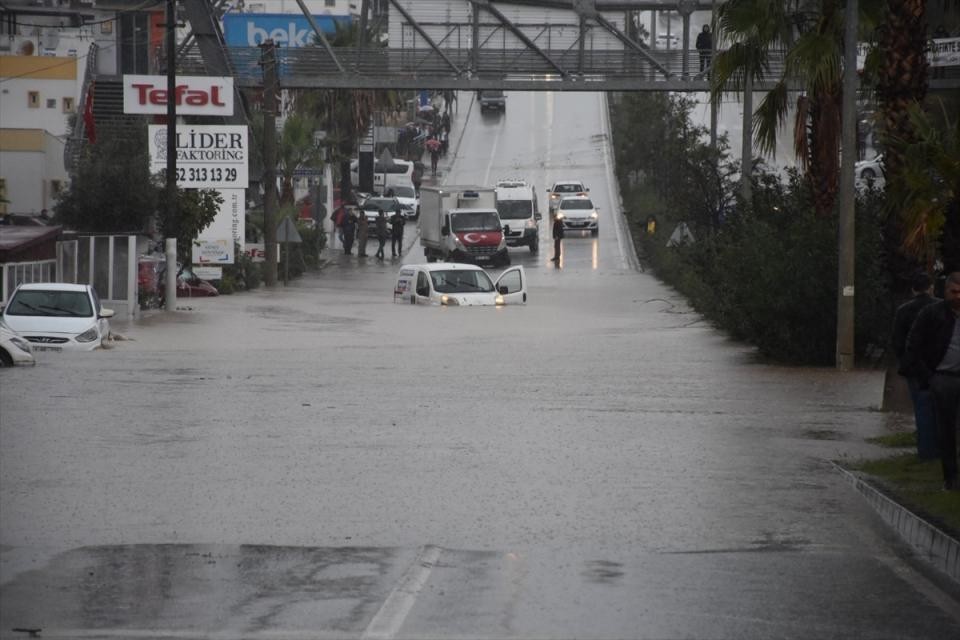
<point>171,176</point>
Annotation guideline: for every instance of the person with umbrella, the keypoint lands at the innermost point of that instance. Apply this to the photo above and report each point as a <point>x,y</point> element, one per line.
<point>433,146</point>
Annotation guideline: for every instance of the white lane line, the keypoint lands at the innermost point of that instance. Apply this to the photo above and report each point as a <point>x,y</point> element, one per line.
<point>493,154</point>
<point>386,624</point>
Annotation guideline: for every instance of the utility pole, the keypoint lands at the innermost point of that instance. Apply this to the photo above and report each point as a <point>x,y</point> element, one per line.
<point>170,290</point>
<point>269,61</point>
<point>713,56</point>
<point>746,142</point>
<point>846,226</point>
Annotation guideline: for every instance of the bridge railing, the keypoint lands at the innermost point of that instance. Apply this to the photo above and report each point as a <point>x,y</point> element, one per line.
<point>311,66</point>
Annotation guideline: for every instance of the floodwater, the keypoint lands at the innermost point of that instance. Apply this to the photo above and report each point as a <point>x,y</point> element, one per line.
<point>320,461</point>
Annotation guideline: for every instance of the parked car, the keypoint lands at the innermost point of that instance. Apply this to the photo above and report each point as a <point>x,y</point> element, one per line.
<point>56,316</point>
<point>14,349</point>
<point>408,198</point>
<point>372,204</point>
<point>453,284</point>
<point>578,213</point>
<point>867,172</point>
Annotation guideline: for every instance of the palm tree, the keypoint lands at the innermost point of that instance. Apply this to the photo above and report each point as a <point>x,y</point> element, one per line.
<point>928,185</point>
<point>901,75</point>
<point>296,149</point>
<point>347,113</point>
<point>811,34</point>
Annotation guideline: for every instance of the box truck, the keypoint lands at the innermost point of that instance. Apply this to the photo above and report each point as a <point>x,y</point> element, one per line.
<point>461,224</point>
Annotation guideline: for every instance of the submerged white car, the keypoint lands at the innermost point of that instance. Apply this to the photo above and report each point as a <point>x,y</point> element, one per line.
<point>56,316</point>
<point>14,350</point>
<point>453,284</point>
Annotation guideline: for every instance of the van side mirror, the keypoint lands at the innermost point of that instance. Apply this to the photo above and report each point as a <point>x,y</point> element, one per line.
<point>445,230</point>
<point>503,289</point>
<point>106,313</point>
<point>537,216</point>
<point>506,228</point>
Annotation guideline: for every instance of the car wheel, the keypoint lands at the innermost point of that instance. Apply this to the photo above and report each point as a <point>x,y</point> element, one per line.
<point>5,359</point>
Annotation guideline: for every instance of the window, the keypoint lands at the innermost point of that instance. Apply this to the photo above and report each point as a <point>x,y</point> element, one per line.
<point>68,106</point>
<point>33,99</point>
<point>51,103</point>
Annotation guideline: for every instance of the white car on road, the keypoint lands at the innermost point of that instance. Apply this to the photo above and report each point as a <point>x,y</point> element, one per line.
<point>563,188</point>
<point>56,316</point>
<point>452,284</point>
<point>578,213</point>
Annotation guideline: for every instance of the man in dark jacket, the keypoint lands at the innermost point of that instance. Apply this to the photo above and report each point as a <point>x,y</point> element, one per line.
<point>705,46</point>
<point>926,422</point>
<point>396,233</point>
<point>933,357</point>
<point>557,238</point>
<point>381,231</point>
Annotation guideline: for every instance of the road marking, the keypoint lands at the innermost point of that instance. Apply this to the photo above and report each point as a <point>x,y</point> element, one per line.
<point>388,620</point>
<point>493,153</point>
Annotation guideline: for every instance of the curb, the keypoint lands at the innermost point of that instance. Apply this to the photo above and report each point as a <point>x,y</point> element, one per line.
<point>933,545</point>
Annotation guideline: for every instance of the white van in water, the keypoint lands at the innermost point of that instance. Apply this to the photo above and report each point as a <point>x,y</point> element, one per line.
<point>519,212</point>
<point>452,284</point>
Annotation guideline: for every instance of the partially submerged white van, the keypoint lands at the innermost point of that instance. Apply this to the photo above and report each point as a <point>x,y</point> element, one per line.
<point>454,284</point>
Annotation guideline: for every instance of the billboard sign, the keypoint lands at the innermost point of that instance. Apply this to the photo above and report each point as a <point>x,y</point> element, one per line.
<point>285,29</point>
<point>194,95</point>
<point>215,244</point>
<point>208,156</point>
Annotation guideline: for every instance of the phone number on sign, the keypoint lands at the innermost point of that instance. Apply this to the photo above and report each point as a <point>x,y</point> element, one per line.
<point>202,174</point>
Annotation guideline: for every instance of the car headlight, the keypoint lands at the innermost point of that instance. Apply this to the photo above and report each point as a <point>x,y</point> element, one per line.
<point>559,216</point>
<point>89,335</point>
<point>21,344</point>
<point>499,299</point>
<point>449,301</point>
<point>594,215</point>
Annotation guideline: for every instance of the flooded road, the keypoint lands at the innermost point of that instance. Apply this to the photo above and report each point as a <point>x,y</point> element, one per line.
<point>318,461</point>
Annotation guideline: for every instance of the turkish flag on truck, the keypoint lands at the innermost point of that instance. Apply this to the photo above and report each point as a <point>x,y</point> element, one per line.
<point>88,121</point>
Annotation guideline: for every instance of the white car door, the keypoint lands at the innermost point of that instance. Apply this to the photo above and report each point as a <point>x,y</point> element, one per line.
<point>512,285</point>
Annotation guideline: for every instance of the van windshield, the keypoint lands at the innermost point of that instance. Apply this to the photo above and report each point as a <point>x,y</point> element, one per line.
<point>475,221</point>
<point>514,209</point>
<point>461,281</point>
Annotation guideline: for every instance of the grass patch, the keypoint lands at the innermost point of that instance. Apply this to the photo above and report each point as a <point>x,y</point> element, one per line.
<point>918,485</point>
<point>893,440</point>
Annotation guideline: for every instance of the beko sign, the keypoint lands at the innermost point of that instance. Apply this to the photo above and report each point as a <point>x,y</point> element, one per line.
<point>193,95</point>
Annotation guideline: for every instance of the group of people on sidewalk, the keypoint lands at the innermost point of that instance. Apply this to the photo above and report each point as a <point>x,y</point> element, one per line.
<point>926,339</point>
<point>352,225</point>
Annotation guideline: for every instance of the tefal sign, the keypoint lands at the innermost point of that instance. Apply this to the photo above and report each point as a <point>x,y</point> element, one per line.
<point>193,95</point>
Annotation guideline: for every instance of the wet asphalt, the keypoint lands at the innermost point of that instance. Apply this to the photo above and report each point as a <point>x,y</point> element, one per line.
<point>318,461</point>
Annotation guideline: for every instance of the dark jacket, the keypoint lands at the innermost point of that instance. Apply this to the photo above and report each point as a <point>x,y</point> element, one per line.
<point>381,227</point>
<point>557,229</point>
<point>928,341</point>
<point>704,41</point>
<point>396,224</point>
<point>903,320</point>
